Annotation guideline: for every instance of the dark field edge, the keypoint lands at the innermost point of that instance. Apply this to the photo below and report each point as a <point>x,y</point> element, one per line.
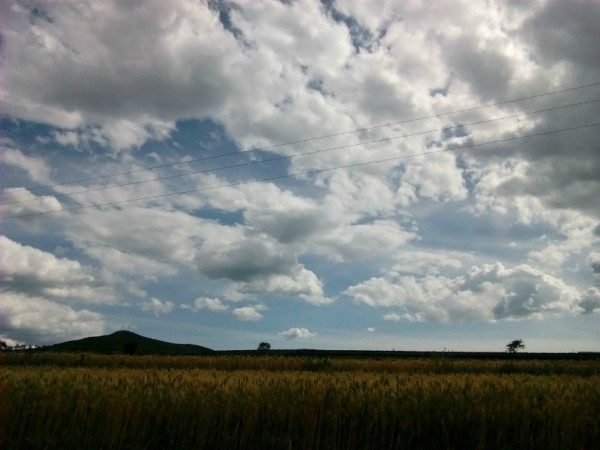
<point>191,350</point>
<point>399,354</point>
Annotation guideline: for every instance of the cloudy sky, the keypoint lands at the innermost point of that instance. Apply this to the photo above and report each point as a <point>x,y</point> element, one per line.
<point>415,175</point>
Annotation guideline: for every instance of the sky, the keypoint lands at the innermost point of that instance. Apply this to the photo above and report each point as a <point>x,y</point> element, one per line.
<point>407,175</point>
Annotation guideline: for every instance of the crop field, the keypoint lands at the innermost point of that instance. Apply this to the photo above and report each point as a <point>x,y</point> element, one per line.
<point>241,402</point>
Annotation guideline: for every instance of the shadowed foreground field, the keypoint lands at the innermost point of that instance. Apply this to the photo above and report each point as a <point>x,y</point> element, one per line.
<point>241,402</point>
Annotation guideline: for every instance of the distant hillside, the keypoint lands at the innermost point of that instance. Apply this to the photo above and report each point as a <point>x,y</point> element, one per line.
<point>127,342</point>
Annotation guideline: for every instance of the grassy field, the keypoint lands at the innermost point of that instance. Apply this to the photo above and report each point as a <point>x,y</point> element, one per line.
<point>64,401</point>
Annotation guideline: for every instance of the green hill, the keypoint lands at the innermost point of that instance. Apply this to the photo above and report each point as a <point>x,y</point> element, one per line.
<point>127,342</point>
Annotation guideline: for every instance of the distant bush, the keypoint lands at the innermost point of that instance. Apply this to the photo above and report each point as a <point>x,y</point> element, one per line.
<point>263,346</point>
<point>515,346</point>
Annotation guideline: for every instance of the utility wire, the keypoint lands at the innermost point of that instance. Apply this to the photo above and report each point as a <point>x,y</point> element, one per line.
<point>288,157</point>
<point>357,130</point>
<point>309,172</point>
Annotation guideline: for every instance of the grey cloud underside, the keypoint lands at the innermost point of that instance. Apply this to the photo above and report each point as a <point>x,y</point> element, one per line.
<point>127,83</point>
<point>567,33</point>
<point>245,261</point>
<point>289,226</point>
<point>591,301</point>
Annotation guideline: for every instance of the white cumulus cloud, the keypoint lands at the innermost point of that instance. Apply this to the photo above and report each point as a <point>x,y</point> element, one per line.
<point>212,304</point>
<point>32,271</point>
<point>248,313</point>
<point>297,333</point>
<point>21,202</point>
<point>36,320</point>
<point>488,293</point>
<point>157,307</point>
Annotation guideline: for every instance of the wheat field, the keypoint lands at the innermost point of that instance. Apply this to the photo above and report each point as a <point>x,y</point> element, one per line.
<point>118,402</point>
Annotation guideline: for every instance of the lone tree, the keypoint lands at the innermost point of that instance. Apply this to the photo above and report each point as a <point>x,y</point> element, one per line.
<point>264,346</point>
<point>515,346</point>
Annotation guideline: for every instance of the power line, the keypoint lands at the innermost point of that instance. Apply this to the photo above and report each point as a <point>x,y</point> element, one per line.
<point>357,130</point>
<point>309,172</point>
<point>313,152</point>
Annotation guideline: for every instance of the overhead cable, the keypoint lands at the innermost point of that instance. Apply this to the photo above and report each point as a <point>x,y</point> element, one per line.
<point>289,157</point>
<point>357,130</point>
<point>309,172</point>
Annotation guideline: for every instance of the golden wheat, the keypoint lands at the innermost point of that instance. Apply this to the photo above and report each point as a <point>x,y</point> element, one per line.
<point>294,403</point>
